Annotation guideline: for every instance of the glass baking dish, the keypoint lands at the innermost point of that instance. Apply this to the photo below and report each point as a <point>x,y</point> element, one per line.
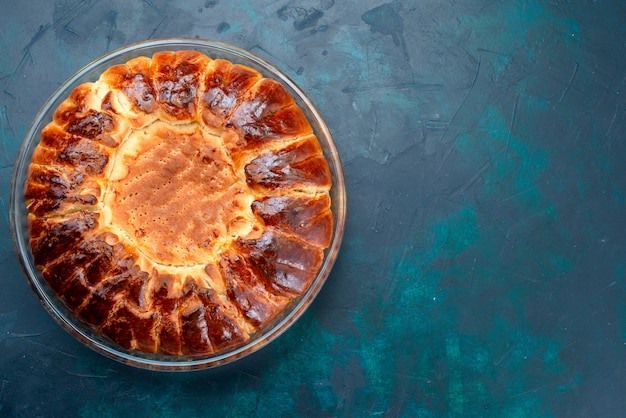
<point>84,333</point>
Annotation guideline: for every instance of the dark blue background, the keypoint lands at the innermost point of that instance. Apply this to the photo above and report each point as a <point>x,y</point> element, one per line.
<point>483,271</point>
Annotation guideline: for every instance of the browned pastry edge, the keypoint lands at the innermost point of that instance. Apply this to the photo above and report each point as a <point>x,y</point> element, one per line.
<point>267,259</point>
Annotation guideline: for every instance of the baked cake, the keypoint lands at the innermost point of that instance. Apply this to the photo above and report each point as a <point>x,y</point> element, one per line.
<point>178,204</point>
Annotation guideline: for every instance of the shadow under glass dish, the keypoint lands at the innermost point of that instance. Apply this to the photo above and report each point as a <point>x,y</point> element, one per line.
<point>56,307</point>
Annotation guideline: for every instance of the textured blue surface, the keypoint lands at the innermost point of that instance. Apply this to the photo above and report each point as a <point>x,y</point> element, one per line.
<point>483,271</point>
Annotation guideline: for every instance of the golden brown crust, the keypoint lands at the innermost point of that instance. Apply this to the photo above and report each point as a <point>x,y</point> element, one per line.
<point>177,77</point>
<point>133,91</point>
<point>304,216</point>
<point>266,113</point>
<point>179,204</point>
<point>298,165</point>
<point>224,87</point>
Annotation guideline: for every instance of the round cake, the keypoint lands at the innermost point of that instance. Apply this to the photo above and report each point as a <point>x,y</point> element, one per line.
<point>179,204</point>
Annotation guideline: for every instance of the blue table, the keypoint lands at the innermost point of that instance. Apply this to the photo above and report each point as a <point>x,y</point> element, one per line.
<point>483,270</point>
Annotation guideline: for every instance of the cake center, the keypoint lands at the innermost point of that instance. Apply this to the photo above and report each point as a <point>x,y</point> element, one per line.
<point>174,193</point>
